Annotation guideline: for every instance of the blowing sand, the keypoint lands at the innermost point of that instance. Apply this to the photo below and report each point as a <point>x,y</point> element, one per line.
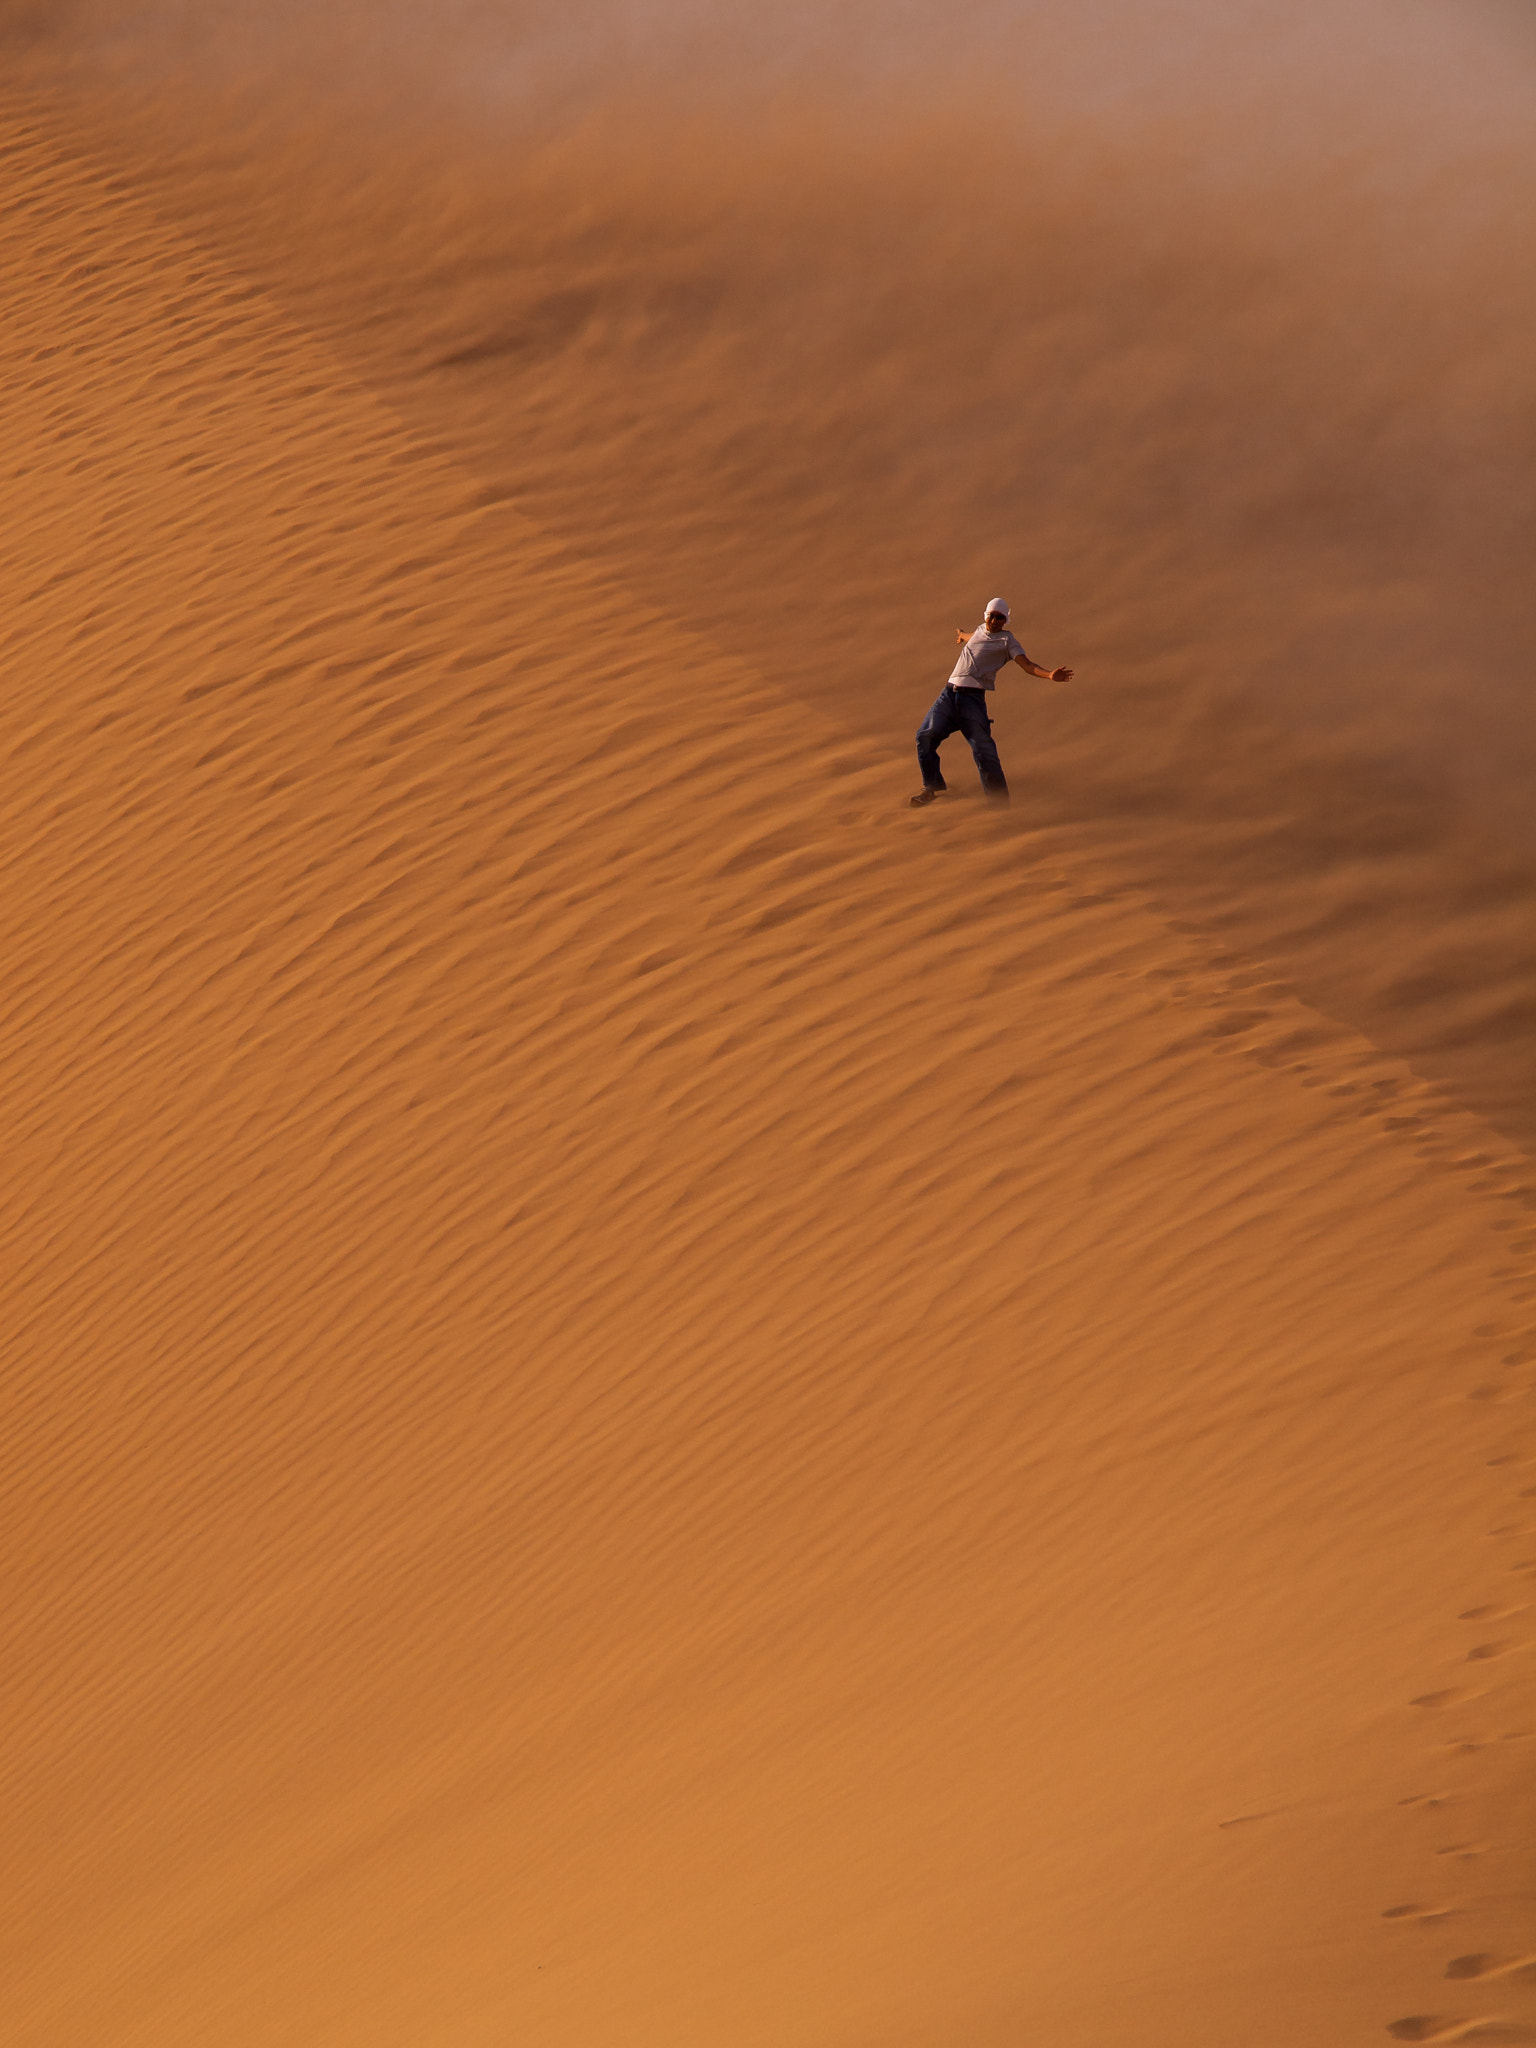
<point>649,1400</point>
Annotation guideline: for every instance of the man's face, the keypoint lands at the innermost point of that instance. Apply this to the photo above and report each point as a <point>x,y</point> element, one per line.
<point>996,623</point>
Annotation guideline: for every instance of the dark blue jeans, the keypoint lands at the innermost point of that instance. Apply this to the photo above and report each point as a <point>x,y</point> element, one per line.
<point>960,711</point>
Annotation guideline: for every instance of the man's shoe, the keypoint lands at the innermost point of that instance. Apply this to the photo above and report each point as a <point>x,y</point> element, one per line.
<point>924,796</point>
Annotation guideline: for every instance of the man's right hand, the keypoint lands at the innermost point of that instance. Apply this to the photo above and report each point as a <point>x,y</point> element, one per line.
<point>961,636</point>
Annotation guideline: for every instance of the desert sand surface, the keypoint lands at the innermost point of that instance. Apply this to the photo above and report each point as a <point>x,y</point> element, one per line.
<point>647,1398</point>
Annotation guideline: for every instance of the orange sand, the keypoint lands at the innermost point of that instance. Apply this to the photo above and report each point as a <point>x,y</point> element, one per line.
<point>649,1400</point>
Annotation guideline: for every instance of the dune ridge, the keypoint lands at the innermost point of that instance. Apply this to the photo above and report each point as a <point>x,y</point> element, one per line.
<point>622,1423</point>
<point>1224,378</point>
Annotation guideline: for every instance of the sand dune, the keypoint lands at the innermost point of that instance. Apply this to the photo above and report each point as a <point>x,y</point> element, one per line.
<point>1212,345</point>
<point>648,1398</point>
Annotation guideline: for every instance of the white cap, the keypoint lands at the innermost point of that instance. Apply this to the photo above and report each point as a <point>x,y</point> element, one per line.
<point>995,604</point>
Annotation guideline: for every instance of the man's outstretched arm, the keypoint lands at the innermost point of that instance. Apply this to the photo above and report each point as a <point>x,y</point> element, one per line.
<point>1046,675</point>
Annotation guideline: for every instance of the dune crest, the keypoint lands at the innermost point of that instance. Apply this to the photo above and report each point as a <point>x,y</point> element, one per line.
<point>1205,332</point>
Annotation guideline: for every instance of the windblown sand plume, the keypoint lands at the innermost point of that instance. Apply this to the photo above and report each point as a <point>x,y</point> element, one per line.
<point>649,1399</point>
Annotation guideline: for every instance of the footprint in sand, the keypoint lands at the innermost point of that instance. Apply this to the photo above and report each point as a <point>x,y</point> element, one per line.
<point>1420,1915</point>
<point>1496,1612</point>
<point>1482,1653</point>
<point>1434,2026</point>
<point>1492,1966</point>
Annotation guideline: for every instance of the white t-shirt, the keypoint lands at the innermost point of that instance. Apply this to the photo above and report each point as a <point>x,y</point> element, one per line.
<point>983,657</point>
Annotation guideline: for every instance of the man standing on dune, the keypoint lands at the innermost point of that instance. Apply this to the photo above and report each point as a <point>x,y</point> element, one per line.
<point>961,706</point>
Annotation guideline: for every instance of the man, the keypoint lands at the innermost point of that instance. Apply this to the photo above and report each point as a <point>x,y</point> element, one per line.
<point>961,706</point>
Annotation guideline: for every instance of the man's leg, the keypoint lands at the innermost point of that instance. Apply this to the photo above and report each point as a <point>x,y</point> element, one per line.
<point>977,727</point>
<point>934,730</point>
